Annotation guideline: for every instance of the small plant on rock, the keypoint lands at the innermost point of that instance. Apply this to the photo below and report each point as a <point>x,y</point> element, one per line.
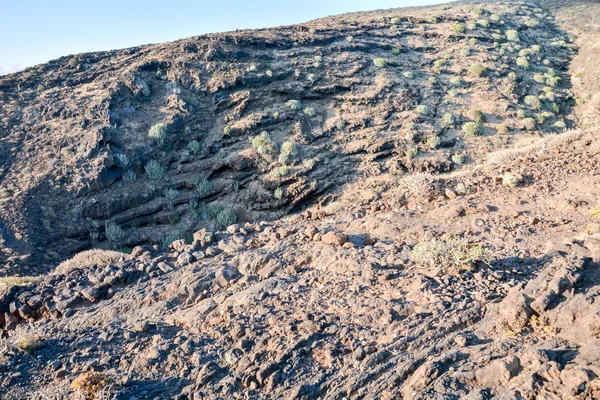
<point>512,35</point>
<point>471,129</point>
<point>204,187</point>
<point>226,217</point>
<point>263,144</point>
<point>293,104</point>
<point>154,170</point>
<point>448,253</point>
<point>380,62</point>
<point>194,147</point>
<point>113,232</point>
<point>158,132</point>
<point>288,149</point>
<point>477,69</point>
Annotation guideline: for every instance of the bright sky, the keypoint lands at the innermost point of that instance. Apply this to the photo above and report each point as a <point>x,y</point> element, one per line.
<point>35,31</point>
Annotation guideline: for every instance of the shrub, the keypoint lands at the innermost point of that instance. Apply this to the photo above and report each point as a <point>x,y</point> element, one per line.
<point>154,170</point>
<point>447,253</point>
<point>422,109</point>
<point>288,149</point>
<point>509,180</point>
<point>349,38</point>
<point>479,11</point>
<point>539,78</point>
<point>280,171</point>
<point>432,20</point>
<point>9,281</point>
<point>380,62</point>
<point>529,124</point>
<point>458,159</point>
<point>433,79</point>
<point>484,23</point>
<point>512,76</point>
<point>90,384</point>
<point>411,153</point>
<point>263,143</point>
<point>512,35</point>
<point>226,217</point>
<point>448,119</point>
<point>476,115</point>
<point>495,17</point>
<point>170,194</point>
<point>194,147</point>
<point>129,176</point>
<point>408,74</point>
<point>456,82</point>
<point>552,81</point>
<point>473,41</point>
<point>532,22</point>
<point>560,124</point>
<point>433,142</point>
<point>309,111</point>
<point>269,73</point>
<point>471,129</point>
<point>204,187</point>
<point>278,193</point>
<point>477,69</point>
<point>227,130</point>
<point>533,102</point>
<point>123,159</point>
<point>158,132</point>
<point>460,28</point>
<point>523,62</point>
<point>501,129</point>
<point>293,104</point>
<point>395,21</point>
<point>395,51</point>
<point>465,51</point>
<point>471,25</point>
<point>113,232</point>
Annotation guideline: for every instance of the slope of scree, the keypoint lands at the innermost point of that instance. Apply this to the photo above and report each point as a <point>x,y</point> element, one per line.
<point>149,144</point>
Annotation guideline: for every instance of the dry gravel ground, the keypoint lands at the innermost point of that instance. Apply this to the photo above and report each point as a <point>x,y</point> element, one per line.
<point>331,298</point>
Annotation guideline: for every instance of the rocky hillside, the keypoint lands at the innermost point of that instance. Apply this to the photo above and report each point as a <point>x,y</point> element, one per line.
<point>149,144</point>
<point>398,204</point>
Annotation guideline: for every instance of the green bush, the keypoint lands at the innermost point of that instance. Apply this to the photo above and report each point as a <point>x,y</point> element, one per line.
<point>309,111</point>
<point>158,133</point>
<point>408,74</point>
<point>523,62</point>
<point>422,109</point>
<point>448,119</point>
<point>194,147</point>
<point>380,62</point>
<point>476,115</point>
<point>533,102</point>
<point>512,35</point>
<point>263,143</point>
<point>278,193</point>
<point>288,149</point>
<point>154,170</point>
<point>227,130</point>
<point>433,142</point>
<point>529,124</point>
<point>477,69</point>
<point>460,28</point>
<point>293,104</point>
<point>456,82</point>
<point>226,217</point>
<point>204,187</point>
<point>458,159</point>
<point>113,232</point>
<point>471,128</point>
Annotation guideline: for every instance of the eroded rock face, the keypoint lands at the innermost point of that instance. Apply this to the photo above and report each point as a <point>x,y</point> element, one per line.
<point>149,144</point>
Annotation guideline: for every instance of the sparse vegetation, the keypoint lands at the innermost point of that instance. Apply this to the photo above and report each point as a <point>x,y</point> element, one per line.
<point>460,28</point>
<point>529,124</point>
<point>422,109</point>
<point>226,217</point>
<point>380,62</point>
<point>471,128</point>
<point>477,69</point>
<point>154,170</point>
<point>458,159</point>
<point>194,147</point>
<point>204,187</point>
<point>448,253</point>
<point>293,104</point>
<point>509,180</point>
<point>113,232</point>
<point>288,149</point>
<point>158,133</point>
<point>512,35</point>
<point>476,115</point>
<point>10,281</point>
<point>263,144</point>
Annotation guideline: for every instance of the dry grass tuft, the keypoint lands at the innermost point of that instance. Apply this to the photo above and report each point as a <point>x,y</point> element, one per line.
<point>88,258</point>
<point>9,281</point>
